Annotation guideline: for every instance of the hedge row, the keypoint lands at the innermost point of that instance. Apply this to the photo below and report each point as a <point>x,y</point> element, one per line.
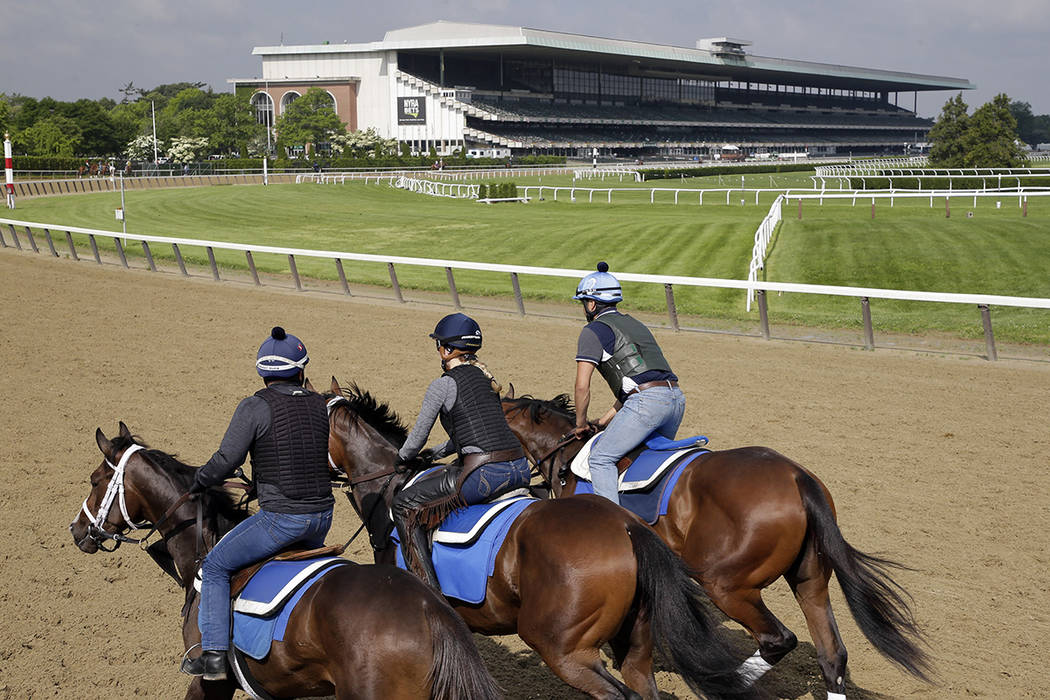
<point>497,190</point>
<point>943,183</point>
<point>708,170</point>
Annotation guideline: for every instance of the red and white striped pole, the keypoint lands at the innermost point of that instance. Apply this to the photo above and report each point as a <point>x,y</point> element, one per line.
<point>9,172</point>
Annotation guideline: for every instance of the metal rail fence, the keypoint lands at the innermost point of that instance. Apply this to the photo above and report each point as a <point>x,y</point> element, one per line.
<point>983,302</point>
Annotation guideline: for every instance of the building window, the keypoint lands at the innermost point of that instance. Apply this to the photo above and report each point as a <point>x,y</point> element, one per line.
<point>288,98</point>
<point>263,105</point>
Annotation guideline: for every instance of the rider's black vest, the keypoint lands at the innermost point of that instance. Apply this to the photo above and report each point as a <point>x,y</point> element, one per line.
<point>292,456</point>
<point>476,418</point>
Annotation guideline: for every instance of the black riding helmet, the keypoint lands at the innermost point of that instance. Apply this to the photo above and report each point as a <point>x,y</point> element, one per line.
<point>458,331</point>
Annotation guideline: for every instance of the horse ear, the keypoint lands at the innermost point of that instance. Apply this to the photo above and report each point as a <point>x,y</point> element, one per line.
<point>510,391</point>
<point>308,385</point>
<point>104,443</point>
<point>124,432</point>
<point>335,386</point>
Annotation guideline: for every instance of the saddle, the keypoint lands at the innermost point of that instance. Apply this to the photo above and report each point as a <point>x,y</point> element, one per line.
<point>648,473</point>
<point>643,465</point>
<point>240,579</point>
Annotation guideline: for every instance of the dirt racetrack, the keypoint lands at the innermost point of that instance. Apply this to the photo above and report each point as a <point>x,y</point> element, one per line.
<point>939,461</point>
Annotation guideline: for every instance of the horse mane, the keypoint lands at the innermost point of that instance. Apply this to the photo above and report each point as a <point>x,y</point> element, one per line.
<point>383,418</point>
<point>376,413</point>
<point>221,512</point>
<point>539,409</point>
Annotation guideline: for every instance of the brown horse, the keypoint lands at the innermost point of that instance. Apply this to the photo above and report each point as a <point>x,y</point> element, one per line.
<point>570,576</point>
<point>741,519</point>
<point>360,632</point>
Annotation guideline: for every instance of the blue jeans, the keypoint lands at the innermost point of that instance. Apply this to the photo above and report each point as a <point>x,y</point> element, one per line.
<point>494,479</point>
<point>656,410</point>
<point>260,536</point>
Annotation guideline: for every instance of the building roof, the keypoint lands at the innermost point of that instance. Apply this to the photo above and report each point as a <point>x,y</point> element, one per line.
<point>465,37</point>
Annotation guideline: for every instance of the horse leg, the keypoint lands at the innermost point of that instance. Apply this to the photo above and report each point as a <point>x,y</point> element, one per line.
<point>809,582</point>
<point>201,689</point>
<point>573,659</point>
<point>774,639</point>
<point>633,652</point>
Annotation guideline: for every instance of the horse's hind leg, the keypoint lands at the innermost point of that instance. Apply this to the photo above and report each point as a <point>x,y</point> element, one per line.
<point>747,608</point>
<point>809,582</point>
<point>633,652</point>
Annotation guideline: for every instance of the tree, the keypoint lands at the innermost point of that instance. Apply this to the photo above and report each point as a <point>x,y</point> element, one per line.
<point>368,142</point>
<point>141,147</point>
<point>235,124</point>
<point>187,149</point>
<point>5,114</point>
<point>311,119</point>
<point>991,140</point>
<point>129,91</point>
<point>1022,112</point>
<point>946,136</point>
<point>53,136</point>
<point>99,134</point>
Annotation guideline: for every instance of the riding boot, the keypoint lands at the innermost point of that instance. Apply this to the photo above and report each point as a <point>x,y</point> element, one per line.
<point>210,664</point>
<point>406,506</point>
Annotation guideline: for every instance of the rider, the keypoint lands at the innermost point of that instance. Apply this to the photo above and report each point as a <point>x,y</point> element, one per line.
<point>648,399</point>
<point>491,462</point>
<point>285,429</point>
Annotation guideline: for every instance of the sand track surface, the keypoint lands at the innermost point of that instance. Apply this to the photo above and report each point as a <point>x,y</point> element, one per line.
<point>938,461</point>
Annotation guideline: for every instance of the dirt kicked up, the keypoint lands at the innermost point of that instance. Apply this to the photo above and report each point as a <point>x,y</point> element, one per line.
<point>938,461</point>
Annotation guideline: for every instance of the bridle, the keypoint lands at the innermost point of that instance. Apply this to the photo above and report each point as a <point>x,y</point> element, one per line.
<point>114,493</point>
<point>565,440</point>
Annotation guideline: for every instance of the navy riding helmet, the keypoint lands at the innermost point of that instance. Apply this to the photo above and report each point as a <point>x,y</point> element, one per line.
<point>458,331</point>
<point>281,355</point>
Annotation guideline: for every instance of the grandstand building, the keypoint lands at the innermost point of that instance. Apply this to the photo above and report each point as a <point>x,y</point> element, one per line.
<point>449,85</point>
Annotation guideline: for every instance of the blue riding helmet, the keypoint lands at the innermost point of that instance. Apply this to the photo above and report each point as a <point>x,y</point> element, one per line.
<point>281,355</point>
<point>458,331</point>
<point>600,286</point>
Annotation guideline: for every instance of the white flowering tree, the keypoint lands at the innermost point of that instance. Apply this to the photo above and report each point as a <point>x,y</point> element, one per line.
<point>367,142</point>
<point>187,149</point>
<point>142,147</point>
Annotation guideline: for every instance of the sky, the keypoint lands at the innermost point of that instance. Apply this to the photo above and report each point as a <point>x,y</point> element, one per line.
<point>68,50</point>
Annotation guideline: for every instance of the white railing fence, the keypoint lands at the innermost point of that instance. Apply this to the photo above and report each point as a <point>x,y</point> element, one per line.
<point>602,173</point>
<point>762,237</point>
<point>758,287</point>
<point>436,189</point>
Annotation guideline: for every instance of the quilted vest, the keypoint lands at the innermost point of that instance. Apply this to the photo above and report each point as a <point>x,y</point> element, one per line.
<point>292,456</point>
<point>476,418</point>
<point>634,351</point>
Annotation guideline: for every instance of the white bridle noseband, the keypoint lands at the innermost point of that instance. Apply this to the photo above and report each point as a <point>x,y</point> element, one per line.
<point>114,491</point>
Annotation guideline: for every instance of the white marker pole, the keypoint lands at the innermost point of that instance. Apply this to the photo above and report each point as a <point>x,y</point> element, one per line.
<point>9,172</point>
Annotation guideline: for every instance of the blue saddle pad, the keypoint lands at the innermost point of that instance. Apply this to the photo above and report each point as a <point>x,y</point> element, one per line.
<point>646,486</point>
<point>262,609</point>
<point>466,545</point>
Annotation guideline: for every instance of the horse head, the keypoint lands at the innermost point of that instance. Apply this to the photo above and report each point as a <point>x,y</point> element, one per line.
<point>544,429</point>
<point>116,502</point>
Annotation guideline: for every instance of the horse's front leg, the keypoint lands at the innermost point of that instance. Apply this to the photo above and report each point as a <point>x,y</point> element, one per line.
<point>201,689</point>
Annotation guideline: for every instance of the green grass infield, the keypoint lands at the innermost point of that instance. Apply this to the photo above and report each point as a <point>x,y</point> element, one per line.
<point>909,246</point>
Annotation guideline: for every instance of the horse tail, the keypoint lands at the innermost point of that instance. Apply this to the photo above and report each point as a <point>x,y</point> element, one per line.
<point>458,673</point>
<point>877,602</point>
<point>683,630</point>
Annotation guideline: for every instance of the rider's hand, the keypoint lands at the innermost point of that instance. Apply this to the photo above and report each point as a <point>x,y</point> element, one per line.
<point>197,487</point>
<point>582,433</point>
